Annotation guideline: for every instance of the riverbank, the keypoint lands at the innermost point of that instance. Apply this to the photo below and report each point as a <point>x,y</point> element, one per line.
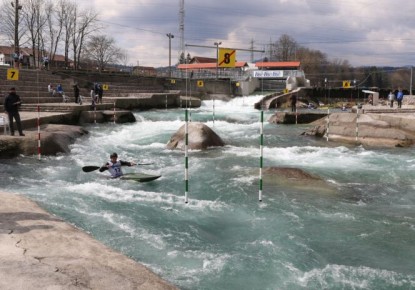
<point>41,251</point>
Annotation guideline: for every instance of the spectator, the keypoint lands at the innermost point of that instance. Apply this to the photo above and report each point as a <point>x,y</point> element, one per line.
<point>391,98</point>
<point>51,90</point>
<point>100,93</point>
<point>76,94</point>
<point>399,98</point>
<point>46,62</point>
<point>11,105</point>
<point>293,103</point>
<point>59,89</point>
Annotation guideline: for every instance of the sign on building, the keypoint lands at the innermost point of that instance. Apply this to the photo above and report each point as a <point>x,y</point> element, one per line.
<point>268,74</point>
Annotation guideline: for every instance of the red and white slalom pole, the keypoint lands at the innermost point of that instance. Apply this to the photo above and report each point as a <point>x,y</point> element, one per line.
<point>38,133</point>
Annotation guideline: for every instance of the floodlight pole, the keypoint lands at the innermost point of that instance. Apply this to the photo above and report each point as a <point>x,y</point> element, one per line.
<point>217,57</point>
<point>170,36</point>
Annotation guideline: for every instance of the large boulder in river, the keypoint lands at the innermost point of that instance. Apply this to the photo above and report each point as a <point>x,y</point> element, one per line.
<point>200,136</point>
<point>295,178</point>
<point>53,139</point>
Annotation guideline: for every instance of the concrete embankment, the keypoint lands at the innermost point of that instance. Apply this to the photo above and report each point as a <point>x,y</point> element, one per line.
<point>41,251</point>
<point>68,117</point>
<point>373,128</point>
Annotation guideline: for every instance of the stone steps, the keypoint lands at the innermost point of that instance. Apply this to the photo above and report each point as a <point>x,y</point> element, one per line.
<point>32,85</point>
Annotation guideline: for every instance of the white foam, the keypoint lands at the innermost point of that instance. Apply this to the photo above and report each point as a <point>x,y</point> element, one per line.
<point>350,277</point>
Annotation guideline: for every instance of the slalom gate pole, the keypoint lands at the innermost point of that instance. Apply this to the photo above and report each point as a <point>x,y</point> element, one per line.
<point>261,145</point>
<point>114,113</point>
<point>38,133</point>
<point>95,113</point>
<point>186,158</point>
<point>328,125</point>
<point>296,115</point>
<point>357,124</point>
<point>213,110</point>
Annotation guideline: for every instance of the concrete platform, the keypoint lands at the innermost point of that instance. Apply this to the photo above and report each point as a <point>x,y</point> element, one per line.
<point>41,251</point>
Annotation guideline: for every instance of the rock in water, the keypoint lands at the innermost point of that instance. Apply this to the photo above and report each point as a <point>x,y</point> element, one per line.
<point>200,136</point>
<point>295,178</point>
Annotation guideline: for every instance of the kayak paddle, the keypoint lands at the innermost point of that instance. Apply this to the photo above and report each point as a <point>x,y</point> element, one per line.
<point>91,168</point>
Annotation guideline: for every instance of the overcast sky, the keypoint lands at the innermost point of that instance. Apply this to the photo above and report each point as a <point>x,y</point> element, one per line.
<point>364,32</point>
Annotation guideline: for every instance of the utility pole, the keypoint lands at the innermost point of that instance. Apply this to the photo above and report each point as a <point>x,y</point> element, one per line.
<point>410,88</point>
<point>181,29</point>
<point>16,7</point>
<point>170,36</point>
<point>252,50</point>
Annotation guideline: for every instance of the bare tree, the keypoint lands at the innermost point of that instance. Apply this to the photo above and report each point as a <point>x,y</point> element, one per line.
<point>285,49</point>
<point>84,25</point>
<point>68,21</point>
<point>54,27</point>
<point>7,23</point>
<point>102,50</point>
<point>35,20</point>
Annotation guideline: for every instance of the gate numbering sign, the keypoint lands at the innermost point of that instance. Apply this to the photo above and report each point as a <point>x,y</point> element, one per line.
<point>226,57</point>
<point>12,74</point>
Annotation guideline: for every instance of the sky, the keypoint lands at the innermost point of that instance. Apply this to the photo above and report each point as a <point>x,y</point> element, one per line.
<point>363,32</point>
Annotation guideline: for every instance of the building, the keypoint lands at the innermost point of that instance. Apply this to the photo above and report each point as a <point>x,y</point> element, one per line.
<point>28,58</point>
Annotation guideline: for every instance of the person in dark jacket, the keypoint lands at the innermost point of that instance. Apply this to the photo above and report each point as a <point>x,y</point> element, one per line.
<point>76,94</point>
<point>293,103</point>
<point>11,105</point>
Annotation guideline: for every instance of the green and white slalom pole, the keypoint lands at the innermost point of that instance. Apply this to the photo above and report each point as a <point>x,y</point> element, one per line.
<point>357,124</point>
<point>38,133</point>
<point>186,157</point>
<point>328,125</point>
<point>261,146</point>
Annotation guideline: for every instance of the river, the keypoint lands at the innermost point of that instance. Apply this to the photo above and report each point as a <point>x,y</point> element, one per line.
<point>358,236</point>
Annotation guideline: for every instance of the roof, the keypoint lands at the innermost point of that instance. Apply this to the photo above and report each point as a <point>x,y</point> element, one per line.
<point>278,64</point>
<point>211,65</point>
<point>202,59</point>
<point>7,49</point>
<point>26,51</point>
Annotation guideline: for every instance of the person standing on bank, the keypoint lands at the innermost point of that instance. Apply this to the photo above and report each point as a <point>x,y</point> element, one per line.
<point>11,105</point>
<point>114,166</point>
<point>293,103</point>
<point>399,98</point>
<point>391,98</point>
<point>76,94</point>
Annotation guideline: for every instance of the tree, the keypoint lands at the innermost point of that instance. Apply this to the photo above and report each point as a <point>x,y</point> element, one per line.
<point>182,58</point>
<point>84,25</point>
<point>7,23</point>
<point>54,29</point>
<point>102,50</point>
<point>284,49</point>
<point>35,20</point>
<point>68,21</point>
